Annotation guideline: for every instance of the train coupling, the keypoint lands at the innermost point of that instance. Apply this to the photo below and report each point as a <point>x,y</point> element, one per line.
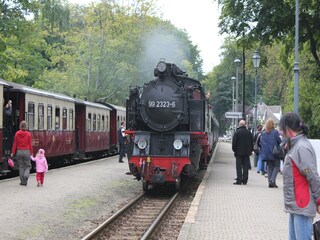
<point>158,175</point>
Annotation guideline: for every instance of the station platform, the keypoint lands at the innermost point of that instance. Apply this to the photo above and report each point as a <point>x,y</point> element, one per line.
<point>221,210</point>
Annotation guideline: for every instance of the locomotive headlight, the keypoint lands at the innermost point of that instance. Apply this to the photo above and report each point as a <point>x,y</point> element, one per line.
<point>161,66</point>
<point>142,143</point>
<point>177,144</point>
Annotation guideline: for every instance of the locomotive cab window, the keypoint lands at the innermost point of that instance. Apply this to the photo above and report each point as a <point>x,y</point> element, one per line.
<point>57,118</point>
<point>49,117</point>
<point>64,119</point>
<point>31,115</point>
<point>40,116</point>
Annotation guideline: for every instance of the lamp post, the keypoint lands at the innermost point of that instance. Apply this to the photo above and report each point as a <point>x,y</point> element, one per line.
<point>233,102</point>
<point>296,64</point>
<point>237,63</point>
<point>256,62</point>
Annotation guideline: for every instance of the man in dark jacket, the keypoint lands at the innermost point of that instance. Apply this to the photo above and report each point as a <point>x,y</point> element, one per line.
<point>242,146</point>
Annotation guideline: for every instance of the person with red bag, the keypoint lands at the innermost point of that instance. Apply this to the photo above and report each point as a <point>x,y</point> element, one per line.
<point>22,149</point>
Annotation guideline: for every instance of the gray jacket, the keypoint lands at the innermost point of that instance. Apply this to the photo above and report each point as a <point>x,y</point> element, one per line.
<point>301,182</point>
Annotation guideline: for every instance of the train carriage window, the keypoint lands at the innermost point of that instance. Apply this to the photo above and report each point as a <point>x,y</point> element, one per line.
<point>89,122</point>
<point>57,118</point>
<point>40,116</point>
<point>98,123</point>
<point>49,118</point>
<point>102,123</point>
<point>64,119</point>
<point>94,122</point>
<point>31,115</point>
<point>107,123</point>
<point>71,119</point>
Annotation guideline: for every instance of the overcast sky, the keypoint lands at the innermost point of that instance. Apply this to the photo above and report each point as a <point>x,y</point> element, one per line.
<point>200,20</point>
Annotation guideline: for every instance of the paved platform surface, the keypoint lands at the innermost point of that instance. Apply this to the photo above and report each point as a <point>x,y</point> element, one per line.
<point>222,210</point>
<point>72,202</point>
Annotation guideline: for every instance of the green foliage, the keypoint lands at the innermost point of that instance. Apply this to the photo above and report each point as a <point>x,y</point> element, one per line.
<point>266,21</point>
<point>94,51</point>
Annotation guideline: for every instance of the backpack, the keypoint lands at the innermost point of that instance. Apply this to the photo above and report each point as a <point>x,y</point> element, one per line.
<point>256,148</point>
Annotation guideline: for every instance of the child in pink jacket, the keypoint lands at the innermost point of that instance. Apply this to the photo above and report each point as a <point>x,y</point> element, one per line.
<point>41,166</point>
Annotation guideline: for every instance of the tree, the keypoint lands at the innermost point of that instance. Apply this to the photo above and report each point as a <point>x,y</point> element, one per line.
<point>266,21</point>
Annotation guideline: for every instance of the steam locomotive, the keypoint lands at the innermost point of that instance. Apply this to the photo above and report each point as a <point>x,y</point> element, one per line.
<point>171,126</point>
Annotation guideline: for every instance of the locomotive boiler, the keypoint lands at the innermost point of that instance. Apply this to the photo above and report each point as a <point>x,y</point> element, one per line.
<point>171,126</point>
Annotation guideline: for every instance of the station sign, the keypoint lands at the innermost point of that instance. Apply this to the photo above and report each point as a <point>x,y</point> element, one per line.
<point>233,114</point>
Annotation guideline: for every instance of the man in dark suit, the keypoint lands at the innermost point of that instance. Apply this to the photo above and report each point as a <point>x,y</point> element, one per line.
<point>242,146</point>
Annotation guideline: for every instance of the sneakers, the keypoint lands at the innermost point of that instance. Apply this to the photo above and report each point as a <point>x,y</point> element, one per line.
<point>38,184</point>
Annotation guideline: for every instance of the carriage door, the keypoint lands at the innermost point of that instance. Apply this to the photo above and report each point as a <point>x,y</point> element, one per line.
<point>80,122</point>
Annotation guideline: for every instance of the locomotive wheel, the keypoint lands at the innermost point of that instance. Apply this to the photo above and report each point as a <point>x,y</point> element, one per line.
<point>145,185</point>
<point>178,184</point>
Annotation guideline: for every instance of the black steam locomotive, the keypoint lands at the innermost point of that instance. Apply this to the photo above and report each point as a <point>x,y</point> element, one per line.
<point>172,127</point>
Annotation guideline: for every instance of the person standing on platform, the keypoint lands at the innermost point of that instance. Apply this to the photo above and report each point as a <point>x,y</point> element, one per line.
<point>41,166</point>
<point>269,138</point>
<point>242,146</point>
<point>255,144</point>
<point>22,148</point>
<point>301,182</point>
<point>122,141</point>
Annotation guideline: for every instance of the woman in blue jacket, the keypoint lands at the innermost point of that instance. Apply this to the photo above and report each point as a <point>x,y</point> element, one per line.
<point>269,138</point>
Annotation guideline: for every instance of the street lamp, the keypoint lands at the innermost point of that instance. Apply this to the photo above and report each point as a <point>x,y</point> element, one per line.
<point>296,64</point>
<point>256,63</point>
<point>237,63</point>
<point>233,102</point>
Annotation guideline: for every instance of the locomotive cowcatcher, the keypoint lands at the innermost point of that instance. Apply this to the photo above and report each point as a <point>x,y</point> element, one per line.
<point>171,126</point>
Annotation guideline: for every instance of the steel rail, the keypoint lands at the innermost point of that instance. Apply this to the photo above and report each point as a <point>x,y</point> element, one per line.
<point>113,217</point>
<point>156,222</point>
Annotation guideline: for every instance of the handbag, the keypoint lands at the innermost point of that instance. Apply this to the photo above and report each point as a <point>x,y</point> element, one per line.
<point>278,151</point>
<point>10,162</point>
<point>256,148</point>
<point>316,230</point>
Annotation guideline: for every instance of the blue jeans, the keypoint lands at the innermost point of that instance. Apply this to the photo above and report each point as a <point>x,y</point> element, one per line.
<point>300,227</point>
<point>261,164</point>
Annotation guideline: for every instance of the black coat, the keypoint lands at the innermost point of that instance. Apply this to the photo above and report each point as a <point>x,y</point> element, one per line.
<point>242,142</point>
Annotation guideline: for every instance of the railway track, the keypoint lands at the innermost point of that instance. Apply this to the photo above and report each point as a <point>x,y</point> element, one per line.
<point>137,220</point>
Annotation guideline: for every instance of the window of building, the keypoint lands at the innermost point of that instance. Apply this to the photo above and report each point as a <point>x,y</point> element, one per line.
<point>31,115</point>
<point>40,116</point>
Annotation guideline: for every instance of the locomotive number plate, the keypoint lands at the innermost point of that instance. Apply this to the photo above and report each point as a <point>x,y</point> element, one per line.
<point>161,104</point>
